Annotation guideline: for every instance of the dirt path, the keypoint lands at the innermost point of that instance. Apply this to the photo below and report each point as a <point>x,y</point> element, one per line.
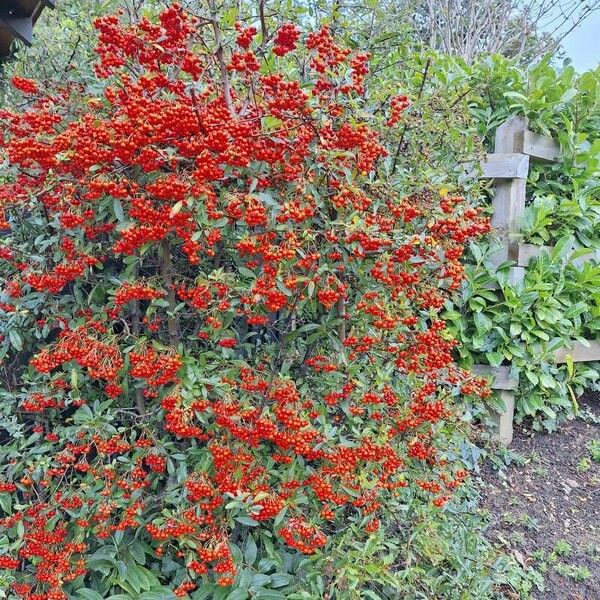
<point>545,507</point>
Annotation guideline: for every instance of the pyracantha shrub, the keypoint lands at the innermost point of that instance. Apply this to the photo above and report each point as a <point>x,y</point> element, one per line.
<point>220,318</point>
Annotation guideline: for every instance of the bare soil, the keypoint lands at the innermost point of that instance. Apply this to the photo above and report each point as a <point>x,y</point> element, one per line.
<point>545,506</point>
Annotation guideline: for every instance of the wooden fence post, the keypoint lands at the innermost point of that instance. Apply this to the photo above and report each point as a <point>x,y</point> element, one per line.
<point>508,166</point>
<point>504,385</point>
<point>510,183</point>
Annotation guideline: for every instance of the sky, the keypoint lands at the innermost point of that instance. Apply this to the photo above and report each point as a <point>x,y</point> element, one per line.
<point>583,44</point>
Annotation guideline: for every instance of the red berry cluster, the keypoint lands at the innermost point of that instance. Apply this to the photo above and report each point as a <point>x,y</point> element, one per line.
<point>27,86</point>
<point>398,105</point>
<point>245,35</point>
<point>102,360</point>
<point>286,38</point>
<point>157,369</point>
<point>303,536</point>
<point>131,291</point>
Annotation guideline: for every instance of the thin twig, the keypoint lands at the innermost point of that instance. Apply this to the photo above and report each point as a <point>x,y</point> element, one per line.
<point>221,59</point>
<point>405,128</point>
<point>166,271</point>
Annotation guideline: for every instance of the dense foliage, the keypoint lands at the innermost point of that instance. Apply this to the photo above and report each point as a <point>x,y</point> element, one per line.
<point>223,347</point>
<point>454,116</point>
<point>523,325</point>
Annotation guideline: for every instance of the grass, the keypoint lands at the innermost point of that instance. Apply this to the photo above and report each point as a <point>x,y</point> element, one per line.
<point>562,548</point>
<point>574,572</point>
<point>594,449</point>
<point>584,465</point>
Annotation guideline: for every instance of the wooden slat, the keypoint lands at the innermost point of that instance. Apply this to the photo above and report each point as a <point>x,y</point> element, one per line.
<point>507,133</point>
<point>528,252</point>
<point>502,379</point>
<point>538,146</point>
<point>591,255</point>
<point>509,165</point>
<point>25,7</point>
<point>503,420</point>
<point>508,206</point>
<point>579,352</point>
<point>508,202</point>
<point>6,39</point>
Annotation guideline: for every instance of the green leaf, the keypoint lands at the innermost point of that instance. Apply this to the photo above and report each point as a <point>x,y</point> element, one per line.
<point>371,594</point>
<point>137,578</point>
<point>158,595</point>
<point>532,377</point>
<point>570,365</point>
<point>247,521</point>
<point>246,272</point>
<point>482,322</point>
<point>204,592</point>
<point>515,329</point>
<point>250,551</point>
<point>568,95</point>
<point>89,594</point>
<point>264,594</point>
<point>547,381</point>
<point>137,552</point>
<point>15,340</point>
<point>6,502</point>
<point>118,210</point>
<point>542,335</point>
<point>238,594</point>
<point>494,358</point>
<point>244,579</point>
<point>280,579</point>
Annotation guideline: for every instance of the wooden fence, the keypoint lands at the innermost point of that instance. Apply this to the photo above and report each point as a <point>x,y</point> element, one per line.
<point>508,166</point>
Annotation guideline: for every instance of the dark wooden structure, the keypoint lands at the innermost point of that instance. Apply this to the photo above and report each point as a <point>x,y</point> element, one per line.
<point>17,18</point>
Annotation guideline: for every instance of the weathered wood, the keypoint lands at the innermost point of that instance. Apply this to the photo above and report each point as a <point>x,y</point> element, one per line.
<point>505,139</point>
<point>579,352</point>
<point>516,275</point>
<point>502,379</point>
<point>503,420</point>
<point>509,167</point>
<point>509,194</point>
<point>537,146</point>
<point>23,7</point>
<point>506,165</point>
<point>504,385</point>
<point>508,206</point>
<point>528,252</point>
